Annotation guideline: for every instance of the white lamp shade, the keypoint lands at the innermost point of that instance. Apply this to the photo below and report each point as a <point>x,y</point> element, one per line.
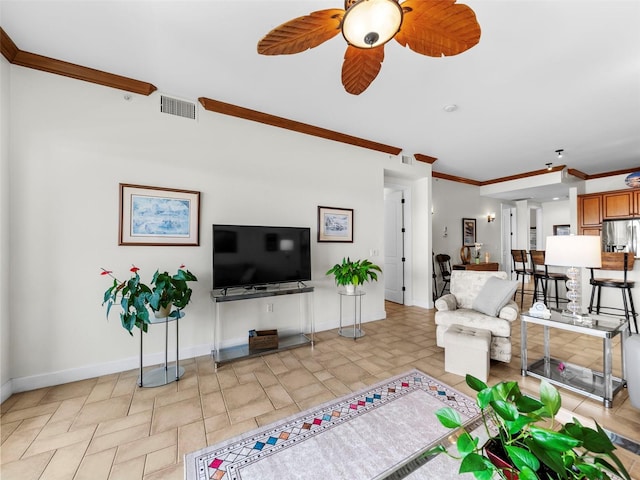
<point>573,251</point>
<point>370,23</point>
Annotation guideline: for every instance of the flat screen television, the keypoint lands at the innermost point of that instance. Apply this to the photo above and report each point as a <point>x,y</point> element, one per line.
<point>251,255</point>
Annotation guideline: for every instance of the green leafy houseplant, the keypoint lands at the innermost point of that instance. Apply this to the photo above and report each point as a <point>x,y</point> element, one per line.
<point>354,273</point>
<point>136,298</point>
<point>171,290</point>
<point>533,452</point>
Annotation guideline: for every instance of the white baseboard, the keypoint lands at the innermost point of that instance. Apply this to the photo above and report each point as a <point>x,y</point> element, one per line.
<point>428,304</point>
<point>6,390</point>
<point>23,384</point>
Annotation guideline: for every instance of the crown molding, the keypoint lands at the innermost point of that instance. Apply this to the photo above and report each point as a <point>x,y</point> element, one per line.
<point>268,119</point>
<point>453,178</point>
<point>533,173</point>
<point>615,172</point>
<point>425,158</point>
<point>570,171</point>
<point>7,47</point>
<point>58,67</point>
<point>577,174</point>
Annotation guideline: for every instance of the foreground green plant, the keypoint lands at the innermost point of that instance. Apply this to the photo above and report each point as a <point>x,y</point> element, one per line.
<point>534,452</point>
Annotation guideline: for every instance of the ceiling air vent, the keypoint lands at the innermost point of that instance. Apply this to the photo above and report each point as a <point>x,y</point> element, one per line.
<point>407,159</point>
<point>175,106</point>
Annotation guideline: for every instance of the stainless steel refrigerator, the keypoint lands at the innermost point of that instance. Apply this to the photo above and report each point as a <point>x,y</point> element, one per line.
<point>620,236</point>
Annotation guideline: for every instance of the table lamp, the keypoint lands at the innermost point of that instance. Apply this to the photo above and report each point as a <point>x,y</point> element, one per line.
<point>575,252</point>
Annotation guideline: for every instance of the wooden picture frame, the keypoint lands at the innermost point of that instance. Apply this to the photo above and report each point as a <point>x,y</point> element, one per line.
<point>562,229</point>
<point>151,216</point>
<point>335,224</point>
<point>468,232</point>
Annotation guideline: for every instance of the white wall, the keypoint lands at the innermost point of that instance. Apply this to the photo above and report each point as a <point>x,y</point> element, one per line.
<point>554,213</point>
<point>453,201</point>
<point>74,142</point>
<point>5,330</point>
<point>605,184</point>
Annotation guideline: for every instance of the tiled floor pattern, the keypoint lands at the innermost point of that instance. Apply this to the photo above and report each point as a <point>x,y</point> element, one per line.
<point>108,428</point>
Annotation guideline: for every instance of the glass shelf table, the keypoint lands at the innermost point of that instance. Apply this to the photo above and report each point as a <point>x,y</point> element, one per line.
<point>594,384</point>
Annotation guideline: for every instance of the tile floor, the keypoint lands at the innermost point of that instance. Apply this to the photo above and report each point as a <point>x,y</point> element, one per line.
<point>108,428</point>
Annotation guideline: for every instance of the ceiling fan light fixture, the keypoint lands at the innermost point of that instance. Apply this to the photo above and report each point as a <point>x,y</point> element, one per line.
<point>371,23</point>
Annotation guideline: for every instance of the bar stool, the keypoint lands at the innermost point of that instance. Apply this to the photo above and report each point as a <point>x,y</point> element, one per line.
<point>542,275</point>
<point>521,269</point>
<point>618,261</point>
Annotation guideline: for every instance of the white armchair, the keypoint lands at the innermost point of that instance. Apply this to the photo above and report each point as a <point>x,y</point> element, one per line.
<point>480,300</point>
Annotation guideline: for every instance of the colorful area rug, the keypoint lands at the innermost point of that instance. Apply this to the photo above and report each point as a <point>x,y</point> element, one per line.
<point>371,434</point>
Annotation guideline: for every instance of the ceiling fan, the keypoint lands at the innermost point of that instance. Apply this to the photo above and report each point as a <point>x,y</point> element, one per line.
<point>430,27</point>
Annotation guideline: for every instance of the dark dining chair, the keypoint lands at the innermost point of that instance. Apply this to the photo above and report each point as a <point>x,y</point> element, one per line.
<point>444,263</point>
<point>542,276</point>
<point>522,270</point>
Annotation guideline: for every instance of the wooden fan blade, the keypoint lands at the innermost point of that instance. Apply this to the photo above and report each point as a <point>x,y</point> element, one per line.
<point>438,27</point>
<point>361,66</point>
<point>302,33</point>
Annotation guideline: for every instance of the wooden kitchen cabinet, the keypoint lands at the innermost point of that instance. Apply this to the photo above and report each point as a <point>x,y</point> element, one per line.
<point>590,210</point>
<point>591,231</point>
<point>618,205</point>
<point>593,208</point>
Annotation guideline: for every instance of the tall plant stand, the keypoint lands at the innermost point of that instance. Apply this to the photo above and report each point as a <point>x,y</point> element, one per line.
<point>354,332</point>
<point>162,375</point>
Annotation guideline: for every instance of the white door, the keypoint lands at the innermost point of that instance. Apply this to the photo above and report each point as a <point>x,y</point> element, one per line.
<point>393,247</point>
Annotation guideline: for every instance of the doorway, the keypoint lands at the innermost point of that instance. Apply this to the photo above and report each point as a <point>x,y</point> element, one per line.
<point>395,258</point>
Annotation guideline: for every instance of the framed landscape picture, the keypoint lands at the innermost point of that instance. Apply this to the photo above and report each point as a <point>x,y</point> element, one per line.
<point>468,232</point>
<point>159,216</point>
<point>335,224</point>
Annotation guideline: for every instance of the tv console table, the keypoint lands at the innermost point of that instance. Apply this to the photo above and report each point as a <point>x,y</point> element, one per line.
<point>285,342</point>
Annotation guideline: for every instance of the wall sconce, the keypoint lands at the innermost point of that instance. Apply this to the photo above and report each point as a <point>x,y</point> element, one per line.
<point>491,217</point>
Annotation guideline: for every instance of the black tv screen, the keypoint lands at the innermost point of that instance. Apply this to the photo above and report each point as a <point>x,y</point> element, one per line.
<point>250,255</point>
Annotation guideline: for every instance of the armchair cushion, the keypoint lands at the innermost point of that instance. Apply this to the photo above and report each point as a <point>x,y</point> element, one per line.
<point>446,302</point>
<point>494,295</point>
<point>466,285</point>
<point>510,311</point>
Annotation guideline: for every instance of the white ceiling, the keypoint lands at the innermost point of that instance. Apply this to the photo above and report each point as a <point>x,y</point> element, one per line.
<point>547,74</point>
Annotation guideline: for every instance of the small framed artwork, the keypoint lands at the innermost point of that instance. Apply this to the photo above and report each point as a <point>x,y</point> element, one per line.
<point>159,216</point>
<point>562,229</point>
<point>468,232</point>
<point>335,224</point>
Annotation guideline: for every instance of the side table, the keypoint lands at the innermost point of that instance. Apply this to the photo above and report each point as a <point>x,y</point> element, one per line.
<point>579,379</point>
<point>161,375</point>
<point>354,332</point>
